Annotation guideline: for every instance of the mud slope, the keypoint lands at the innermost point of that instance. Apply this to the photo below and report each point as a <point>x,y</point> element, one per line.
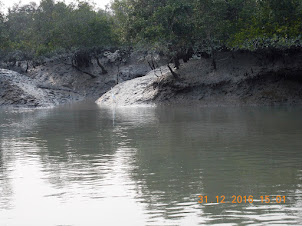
<point>19,90</point>
<point>56,81</point>
<point>240,79</point>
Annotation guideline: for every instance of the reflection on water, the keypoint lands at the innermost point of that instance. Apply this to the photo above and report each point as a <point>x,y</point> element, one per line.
<point>83,165</point>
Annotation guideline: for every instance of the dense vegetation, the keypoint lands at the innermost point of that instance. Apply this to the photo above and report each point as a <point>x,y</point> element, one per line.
<point>51,27</point>
<point>172,26</point>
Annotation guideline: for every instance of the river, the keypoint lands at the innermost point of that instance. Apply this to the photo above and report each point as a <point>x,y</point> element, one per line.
<point>85,165</point>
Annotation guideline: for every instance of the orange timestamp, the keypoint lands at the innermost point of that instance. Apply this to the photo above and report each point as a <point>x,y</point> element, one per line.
<point>243,199</point>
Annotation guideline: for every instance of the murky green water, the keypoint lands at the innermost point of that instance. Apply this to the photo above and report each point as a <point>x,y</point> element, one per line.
<point>82,165</point>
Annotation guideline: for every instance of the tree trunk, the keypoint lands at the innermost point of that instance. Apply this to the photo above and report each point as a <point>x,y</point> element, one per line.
<point>176,62</point>
<point>27,66</point>
<point>175,75</point>
<point>104,71</point>
<point>213,53</point>
<point>87,73</point>
<point>214,63</point>
<point>118,73</point>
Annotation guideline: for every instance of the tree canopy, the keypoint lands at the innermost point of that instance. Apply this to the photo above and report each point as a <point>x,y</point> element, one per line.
<point>52,26</point>
<point>171,25</point>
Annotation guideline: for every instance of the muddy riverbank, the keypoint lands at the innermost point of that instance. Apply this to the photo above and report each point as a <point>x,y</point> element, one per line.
<point>241,78</point>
